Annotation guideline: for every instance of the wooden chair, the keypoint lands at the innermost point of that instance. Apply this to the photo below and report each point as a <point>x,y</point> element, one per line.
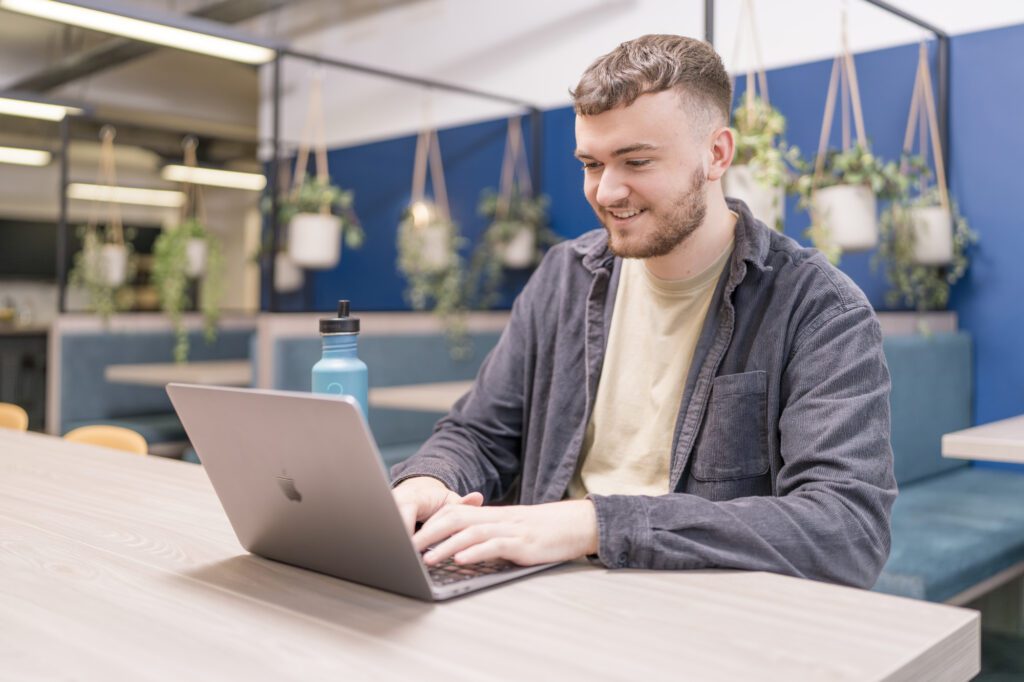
<point>116,437</point>
<point>13,417</point>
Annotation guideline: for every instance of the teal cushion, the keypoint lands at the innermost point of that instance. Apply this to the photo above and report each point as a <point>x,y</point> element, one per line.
<point>951,532</point>
<point>931,395</point>
<point>155,428</point>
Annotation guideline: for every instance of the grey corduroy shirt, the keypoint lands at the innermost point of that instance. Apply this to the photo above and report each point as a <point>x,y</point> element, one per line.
<point>781,459</point>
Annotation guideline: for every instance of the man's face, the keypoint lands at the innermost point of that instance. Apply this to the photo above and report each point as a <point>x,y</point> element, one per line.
<point>644,174</point>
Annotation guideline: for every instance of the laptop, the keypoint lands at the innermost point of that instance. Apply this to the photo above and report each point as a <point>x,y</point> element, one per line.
<point>302,482</point>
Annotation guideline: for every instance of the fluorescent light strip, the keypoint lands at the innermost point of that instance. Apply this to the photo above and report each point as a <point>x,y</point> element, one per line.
<point>138,29</point>
<point>211,176</point>
<point>126,195</point>
<point>29,109</point>
<point>24,157</point>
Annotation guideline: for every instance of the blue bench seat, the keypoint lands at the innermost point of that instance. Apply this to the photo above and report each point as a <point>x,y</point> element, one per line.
<point>953,526</point>
<point>953,531</point>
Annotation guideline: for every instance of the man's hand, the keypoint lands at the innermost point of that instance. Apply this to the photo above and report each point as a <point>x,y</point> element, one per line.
<point>418,498</point>
<point>526,534</point>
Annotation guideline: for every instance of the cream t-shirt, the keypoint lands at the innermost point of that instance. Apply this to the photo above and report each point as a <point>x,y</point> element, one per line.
<point>655,327</point>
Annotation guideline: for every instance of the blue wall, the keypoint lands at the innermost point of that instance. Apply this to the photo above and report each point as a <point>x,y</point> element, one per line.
<point>987,99</point>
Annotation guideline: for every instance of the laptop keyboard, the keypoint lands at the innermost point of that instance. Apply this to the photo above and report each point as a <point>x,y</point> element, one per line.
<point>448,572</point>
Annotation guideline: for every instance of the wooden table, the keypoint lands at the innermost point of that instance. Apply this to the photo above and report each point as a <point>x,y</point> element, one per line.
<point>436,397</point>
<point>1001,441</point>
<point>210,372</point>
<point>117,567</point>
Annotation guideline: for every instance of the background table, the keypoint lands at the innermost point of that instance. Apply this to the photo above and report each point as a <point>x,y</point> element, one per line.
<point>115,566</point>
<point>436,397</point>
<point>1001,441</point>
<point>209,372</point>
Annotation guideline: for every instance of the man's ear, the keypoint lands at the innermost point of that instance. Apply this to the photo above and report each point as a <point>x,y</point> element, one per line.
<point>722,147</point>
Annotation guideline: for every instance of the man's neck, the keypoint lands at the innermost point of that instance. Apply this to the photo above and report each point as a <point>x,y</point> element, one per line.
<point>702,247</point>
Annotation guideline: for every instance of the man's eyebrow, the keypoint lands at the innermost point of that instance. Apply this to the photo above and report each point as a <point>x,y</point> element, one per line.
<point>638,147</point>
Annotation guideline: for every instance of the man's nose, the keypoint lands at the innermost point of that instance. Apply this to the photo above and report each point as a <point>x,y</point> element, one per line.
<point>611,190</point>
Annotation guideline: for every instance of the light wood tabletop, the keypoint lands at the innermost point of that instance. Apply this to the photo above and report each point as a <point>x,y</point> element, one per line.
<point>118,567</point>
<point>435,397</point>
<point>209,372</point>
<point>1001,441</point>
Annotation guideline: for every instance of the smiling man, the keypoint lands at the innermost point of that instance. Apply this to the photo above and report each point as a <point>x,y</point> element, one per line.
<point>684,388</point>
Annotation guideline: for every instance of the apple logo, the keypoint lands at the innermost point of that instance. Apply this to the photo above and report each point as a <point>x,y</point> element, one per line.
<point>289,489</point>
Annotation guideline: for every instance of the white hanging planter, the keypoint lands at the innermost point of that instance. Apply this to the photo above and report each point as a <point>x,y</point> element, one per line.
<point>288,277</point>
<point>112,262</point>
<point>766,203</point>
<point>933,235</point>
<point>434,240</point>
<point>195,251</point>
<point>519,252</point>
<point>849,213</point>
<point>314,240</point>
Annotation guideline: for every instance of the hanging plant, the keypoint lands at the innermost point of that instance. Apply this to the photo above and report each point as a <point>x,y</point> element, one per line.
<point>102,269</point>
<point>183,254</point>
<point>428,249</point>
<point>106,262</point>
<point>516,240</point>
<point>904,226</point>
<point>517,235</point>
<point>763,164</point>
<point>318,214</point>
<point>841,193</point>
<point>288,277</point>
<point>925,240</point>
<point>173,282</point>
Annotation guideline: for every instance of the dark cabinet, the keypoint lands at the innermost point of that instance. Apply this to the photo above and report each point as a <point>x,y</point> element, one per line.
<point>23,374</point>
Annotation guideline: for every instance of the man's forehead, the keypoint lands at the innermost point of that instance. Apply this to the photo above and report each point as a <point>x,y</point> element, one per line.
<point>620,151</point>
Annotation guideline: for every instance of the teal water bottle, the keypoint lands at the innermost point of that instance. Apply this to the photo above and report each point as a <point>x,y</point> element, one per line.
<point>340,371</point>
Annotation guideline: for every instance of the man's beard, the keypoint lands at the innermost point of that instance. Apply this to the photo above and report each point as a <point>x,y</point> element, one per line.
<point>686,215</point>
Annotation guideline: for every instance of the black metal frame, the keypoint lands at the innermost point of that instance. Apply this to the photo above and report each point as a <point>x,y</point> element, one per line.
<point>536,134</point>
<point>942,58</point>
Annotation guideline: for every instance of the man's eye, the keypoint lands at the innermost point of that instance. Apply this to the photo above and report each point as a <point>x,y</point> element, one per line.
<point>591,165</point>
<point>636,163</point>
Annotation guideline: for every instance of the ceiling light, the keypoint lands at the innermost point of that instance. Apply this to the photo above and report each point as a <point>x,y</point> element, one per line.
<point>211,176</point>
<point>30,109</point>
<point>198,35</point>
<point>24,157</point>
<point>126,195</point>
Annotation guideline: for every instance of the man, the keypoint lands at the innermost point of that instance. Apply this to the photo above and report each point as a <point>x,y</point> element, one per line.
<point>683,389</point>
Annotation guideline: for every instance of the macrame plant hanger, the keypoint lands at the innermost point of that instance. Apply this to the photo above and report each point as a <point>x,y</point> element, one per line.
<point>195,205</point>
<point>105,251</point>
<point>931,227</point>
<point>313,134</point>
<point>924,121</point>
<point>106,174</point>
<point>756,77</point>
<point>844,76</point>
<point>515,174</point>
<point>314,239</point>
<point>845,218</point>
<point>428,153</point>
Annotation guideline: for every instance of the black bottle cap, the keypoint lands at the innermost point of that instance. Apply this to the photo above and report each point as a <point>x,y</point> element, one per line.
<point>342,324</point>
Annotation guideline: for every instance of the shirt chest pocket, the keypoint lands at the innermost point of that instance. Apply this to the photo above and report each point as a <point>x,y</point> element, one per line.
<point>733,440</point>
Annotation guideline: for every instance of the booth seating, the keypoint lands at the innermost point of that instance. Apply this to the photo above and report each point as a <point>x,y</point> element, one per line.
<point>392,360</point>
<point>957,529</point>
<point>84,397</point>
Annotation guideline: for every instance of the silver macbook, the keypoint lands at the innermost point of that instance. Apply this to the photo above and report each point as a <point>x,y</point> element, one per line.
<point>302,482</point>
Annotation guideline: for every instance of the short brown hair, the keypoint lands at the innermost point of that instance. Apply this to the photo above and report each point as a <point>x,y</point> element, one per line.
<point>654,63</point>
